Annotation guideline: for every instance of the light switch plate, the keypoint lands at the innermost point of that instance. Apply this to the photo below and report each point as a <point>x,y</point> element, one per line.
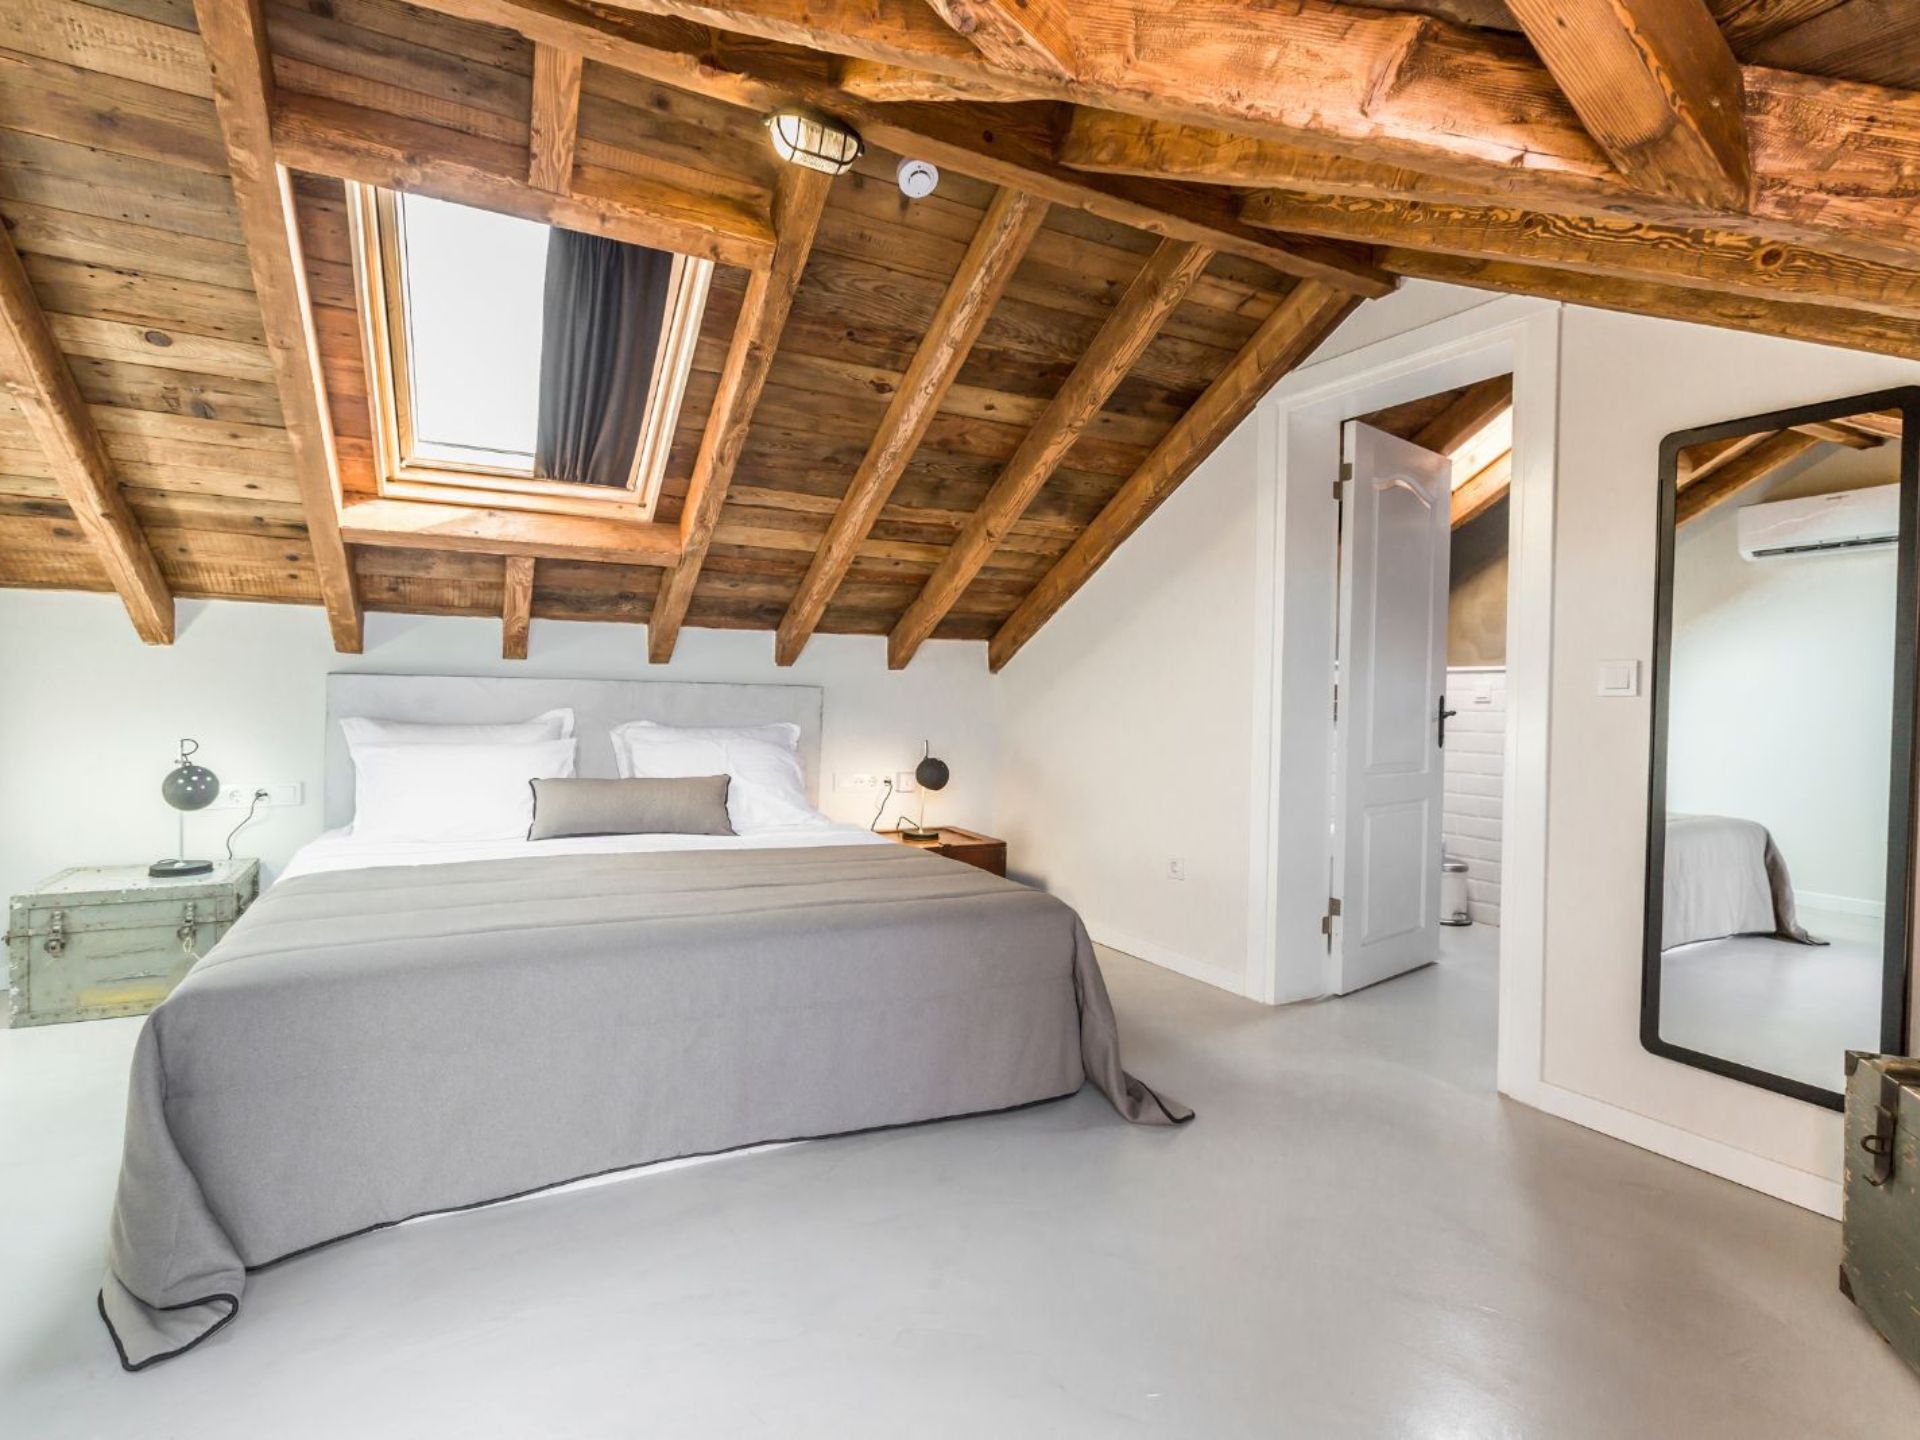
<point>905,783</point>
<point>1619,677</point>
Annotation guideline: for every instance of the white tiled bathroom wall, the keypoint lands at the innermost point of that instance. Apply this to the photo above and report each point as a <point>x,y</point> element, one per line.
<point>1476,745</point>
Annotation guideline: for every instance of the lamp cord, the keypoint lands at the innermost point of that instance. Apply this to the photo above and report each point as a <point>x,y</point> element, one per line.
<point>881,808</point>
<point>258,796</point>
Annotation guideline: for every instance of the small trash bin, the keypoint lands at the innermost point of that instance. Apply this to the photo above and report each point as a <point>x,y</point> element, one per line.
<point>1453,893</point>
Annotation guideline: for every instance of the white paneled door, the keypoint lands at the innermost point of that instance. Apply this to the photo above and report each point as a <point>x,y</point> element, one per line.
<point>1389,712</point>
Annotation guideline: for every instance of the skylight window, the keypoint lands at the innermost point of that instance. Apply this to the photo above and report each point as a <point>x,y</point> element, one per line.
<point>512,363</point>
<point>474,286</point>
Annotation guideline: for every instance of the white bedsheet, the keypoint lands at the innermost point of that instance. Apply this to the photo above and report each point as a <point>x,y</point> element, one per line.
<point>340,850</point>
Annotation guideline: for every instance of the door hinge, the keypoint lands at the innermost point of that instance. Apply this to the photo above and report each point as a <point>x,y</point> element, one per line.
<point>1346,474</point>
<point>1326,920</point>
<point>1336,700</point>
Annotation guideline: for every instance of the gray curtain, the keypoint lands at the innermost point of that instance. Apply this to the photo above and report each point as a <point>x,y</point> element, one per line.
<point>600,332</point>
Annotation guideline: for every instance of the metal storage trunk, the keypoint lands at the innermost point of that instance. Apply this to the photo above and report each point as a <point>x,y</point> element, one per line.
<point>100,941</point>
<point>1880,1271</point>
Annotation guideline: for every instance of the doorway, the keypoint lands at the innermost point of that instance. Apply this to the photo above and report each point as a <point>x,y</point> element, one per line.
<point>1295,642</point>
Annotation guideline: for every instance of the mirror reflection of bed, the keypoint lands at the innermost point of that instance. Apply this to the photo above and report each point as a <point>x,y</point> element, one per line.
<point>1779,731</point>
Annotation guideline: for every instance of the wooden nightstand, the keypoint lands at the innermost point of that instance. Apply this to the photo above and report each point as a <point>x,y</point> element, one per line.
<point>962,845</point>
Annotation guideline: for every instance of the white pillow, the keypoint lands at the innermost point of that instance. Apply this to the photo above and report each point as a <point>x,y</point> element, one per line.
<point>452,792</point>
<point>763,762</point>
<point>553,725</point>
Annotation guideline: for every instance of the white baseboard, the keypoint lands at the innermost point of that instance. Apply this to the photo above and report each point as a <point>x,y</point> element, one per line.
<point>1769,1177</point>
<point>1839,904</point>
<point>1223,977</point>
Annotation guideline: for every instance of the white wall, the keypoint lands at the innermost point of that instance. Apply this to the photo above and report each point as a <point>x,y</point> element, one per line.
<point>1626,383</point>
<point>90,718</point>
<point>1781,708</point>
<point>1475,762</point>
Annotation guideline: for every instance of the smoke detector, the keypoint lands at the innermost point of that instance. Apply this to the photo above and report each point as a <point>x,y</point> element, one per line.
<point>917,178</point>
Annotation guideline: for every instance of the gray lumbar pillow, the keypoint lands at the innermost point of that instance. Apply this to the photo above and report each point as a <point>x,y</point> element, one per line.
<point>696,805</point>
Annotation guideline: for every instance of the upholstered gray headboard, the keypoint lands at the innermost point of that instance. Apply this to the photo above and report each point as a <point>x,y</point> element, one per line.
<point>598,706</point>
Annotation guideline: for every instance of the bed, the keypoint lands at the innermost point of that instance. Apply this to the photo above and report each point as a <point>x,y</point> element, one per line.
<point>1724,876</point>
<point>394,1031</point>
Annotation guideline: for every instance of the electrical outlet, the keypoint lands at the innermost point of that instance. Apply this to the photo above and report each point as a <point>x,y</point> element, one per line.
<point>239,797</point>
<point>1176,869</point>
<point>861,781</point>
<point>904,783</point>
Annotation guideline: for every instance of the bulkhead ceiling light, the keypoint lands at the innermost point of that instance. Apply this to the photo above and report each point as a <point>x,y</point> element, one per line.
<point>816,141</point>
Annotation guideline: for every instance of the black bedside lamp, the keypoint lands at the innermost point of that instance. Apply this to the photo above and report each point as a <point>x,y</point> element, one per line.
<point>929,774</point>
<point>187,787</point>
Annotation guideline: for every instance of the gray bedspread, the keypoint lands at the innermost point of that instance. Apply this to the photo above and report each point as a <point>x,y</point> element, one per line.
<point>366,1046</point>
<point>1725,876</point>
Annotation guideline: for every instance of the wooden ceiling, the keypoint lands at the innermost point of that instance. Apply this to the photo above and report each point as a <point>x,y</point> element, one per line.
<point>919,419</point>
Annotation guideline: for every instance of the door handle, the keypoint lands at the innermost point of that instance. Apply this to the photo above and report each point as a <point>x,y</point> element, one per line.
<point>1441,708</point>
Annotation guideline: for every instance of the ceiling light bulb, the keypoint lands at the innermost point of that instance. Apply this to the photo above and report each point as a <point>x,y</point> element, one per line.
<point>816,141</point>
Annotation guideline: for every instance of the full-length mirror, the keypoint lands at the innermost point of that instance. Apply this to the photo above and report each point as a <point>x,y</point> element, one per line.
<point>1779,879</point>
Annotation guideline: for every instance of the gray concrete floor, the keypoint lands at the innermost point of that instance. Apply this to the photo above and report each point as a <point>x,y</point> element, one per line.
<point>1356,1238</point>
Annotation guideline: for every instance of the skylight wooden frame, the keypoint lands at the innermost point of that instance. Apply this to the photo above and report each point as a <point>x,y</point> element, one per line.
<point>402,473</point>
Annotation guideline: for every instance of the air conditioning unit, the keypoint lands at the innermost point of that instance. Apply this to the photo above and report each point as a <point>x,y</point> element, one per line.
<point>1864,519</point>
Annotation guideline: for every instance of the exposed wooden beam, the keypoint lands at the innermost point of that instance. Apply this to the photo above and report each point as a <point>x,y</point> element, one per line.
<point>235,35</point>
<point>1831,160</point>
<point>516,606</point>
<point>1283,340</point>
<point>555,118</point>
<point>1482,490</point>
<point>34,371</point>
<point>876,80</point>
<point>419,525</point>
<point>1739,474</point>
<point>397,153</point>
<point>1657,86</point>
<point>1153,296</point>
<point>1011,222</point>
<point>1614,249</point>
<point>1699,461</point>
<point>1852,329</point>
<point>1482,400</point>
<point>989,142</point>
<point>1839,433</point>
<point>1747,22</point>
<point>797,206</point>
<point>1024,36</point>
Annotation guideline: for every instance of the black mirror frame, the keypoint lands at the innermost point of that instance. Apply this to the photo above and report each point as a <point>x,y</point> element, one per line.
<point>1901,769</point>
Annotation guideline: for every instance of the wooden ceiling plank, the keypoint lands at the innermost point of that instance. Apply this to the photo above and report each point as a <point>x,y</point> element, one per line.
<point>1012,219</point>
<point>516,606</point>
<point>1163,282</point>
<point>235,34</point>
<point>555,118</point>
<point>1453,426</point>
<point>1746,23</point>
<point>1623,249</point>
<point>1482,490</point>
<point>1884,335</point>
<point>1840,433</point>
<point>349,142</point>
<point>1742,473</point>
<point>1024,36</point>
<point>1283,340</point>
<point>985,141</point>
<point>36,375</point>
<point>478,530</point>
<point>1657,85</point>
<point>798,202</point>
